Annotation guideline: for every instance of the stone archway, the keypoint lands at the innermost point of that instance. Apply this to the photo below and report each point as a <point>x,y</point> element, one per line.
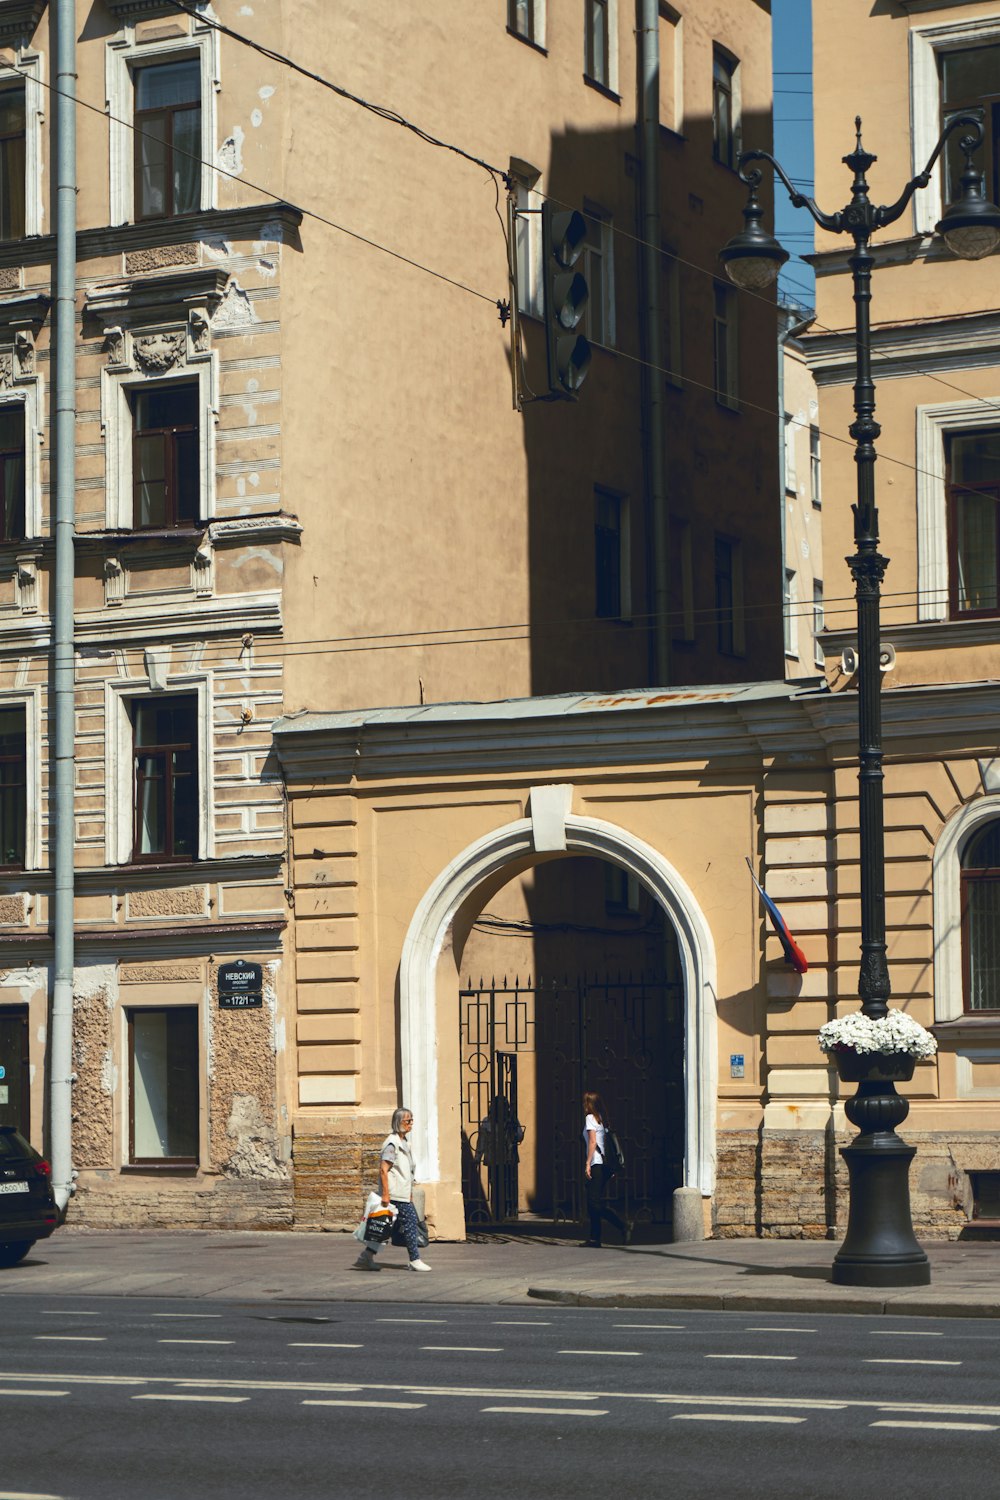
<point>429,931</point>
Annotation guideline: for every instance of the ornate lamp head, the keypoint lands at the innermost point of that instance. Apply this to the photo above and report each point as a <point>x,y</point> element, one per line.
<point>753,257</point>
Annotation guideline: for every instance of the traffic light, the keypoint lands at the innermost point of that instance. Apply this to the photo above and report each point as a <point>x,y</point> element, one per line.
<point>564,233</point>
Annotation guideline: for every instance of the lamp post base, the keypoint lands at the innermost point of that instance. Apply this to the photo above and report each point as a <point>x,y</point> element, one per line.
<point>880,1248</point>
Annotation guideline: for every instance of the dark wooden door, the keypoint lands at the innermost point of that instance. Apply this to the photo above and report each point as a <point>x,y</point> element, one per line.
<point>15,1104</point>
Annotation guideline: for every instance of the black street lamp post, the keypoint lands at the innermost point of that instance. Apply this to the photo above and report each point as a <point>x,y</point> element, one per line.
<point>880,1248</point>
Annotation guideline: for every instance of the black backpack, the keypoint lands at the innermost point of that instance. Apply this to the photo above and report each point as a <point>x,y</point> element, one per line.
<point>614,1156</point>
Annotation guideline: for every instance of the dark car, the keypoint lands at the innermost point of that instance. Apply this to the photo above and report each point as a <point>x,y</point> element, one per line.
<point>27,1206</point>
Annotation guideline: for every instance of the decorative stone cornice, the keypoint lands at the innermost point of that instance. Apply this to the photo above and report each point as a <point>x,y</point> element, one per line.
<point>964,342</point>
<point>136,10</point>
<point>23,310</point>
<point>156,299</point>
<point>19,18</point>
<point>242,529</point>
<point>924,635</point>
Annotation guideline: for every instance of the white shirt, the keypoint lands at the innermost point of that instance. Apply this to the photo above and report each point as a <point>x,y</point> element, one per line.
<point>592,1123</point>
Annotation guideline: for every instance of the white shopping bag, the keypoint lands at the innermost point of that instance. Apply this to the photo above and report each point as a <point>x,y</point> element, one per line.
<point>372,1202</point>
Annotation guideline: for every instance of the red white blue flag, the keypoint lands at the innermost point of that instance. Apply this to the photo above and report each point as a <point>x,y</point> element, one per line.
<point>794,956</point>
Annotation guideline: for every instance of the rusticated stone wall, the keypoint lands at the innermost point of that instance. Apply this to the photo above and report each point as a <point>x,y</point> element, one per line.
<point>166,1204</point>
<point>333,1175</point>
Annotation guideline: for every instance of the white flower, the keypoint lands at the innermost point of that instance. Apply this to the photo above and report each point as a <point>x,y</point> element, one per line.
<point>895,1032</point>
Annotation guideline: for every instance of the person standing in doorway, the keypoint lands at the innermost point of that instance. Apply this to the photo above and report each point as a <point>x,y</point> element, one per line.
<point>396,1179</point>
<point>593,1139</point>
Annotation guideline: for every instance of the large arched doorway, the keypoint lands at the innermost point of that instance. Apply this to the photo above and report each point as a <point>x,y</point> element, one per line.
<point>572,981</point>
<point>430,982</point>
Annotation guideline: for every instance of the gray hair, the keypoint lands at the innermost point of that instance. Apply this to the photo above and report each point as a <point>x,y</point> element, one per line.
<point>398,1116</point>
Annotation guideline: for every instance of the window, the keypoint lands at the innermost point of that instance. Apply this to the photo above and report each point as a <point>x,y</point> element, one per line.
<point>815,486</point>
<point>789,616</point>
<point>981,918</point>
<point>725,347</point>
<point>973,498</point>
<point>168,139</point>
<point>969,78</point>
<point>612,599</point>
<point>13,146</point>
<point>818,620</point>
<point>622,892</point>
<point>598,322</point>
<point>163,1074</point>
<point>166,472</point>
<point>725,108</point>
<point>953,64</point>
<point>791,466</point>
<point>681,581</point>
<point>13,788</point>
<point>601,59</point>
<point>671,64</point>
<point>165,778</point>
<point>12,527</point>
<point>672,318</point>
<point>729,596</point>
<point>526,19</point>
<point>528,242</point>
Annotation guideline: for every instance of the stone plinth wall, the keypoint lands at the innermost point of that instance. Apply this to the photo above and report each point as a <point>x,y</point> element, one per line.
<point>735,1208</point>
<point>224,1204</point>
<point>333,1176</point>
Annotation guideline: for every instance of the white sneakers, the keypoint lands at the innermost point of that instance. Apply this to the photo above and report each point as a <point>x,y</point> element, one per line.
<point>419,1265</point>
<point>366,1262</point>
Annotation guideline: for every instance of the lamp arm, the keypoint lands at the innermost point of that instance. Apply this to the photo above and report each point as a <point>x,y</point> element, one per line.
<point>833,222</point>
<point>890,213</point>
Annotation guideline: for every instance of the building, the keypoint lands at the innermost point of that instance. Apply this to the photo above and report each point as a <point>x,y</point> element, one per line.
<point>802,500</point>
<point>303,488</point>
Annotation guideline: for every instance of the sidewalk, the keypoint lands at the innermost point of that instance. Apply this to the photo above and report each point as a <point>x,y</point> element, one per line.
<point>735,1275</point>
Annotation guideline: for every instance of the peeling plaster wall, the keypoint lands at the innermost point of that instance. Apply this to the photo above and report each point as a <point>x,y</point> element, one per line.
<point>94,1000</point>
<point>243,1136</point>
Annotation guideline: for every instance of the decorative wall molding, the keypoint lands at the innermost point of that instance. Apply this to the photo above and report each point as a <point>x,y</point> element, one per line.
<point>19,19</point>
<point>948,969</point>
<point>900,350</point>
<point>276,223</point>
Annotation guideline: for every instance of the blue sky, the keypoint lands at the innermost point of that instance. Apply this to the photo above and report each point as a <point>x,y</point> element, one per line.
<point>793,139</point>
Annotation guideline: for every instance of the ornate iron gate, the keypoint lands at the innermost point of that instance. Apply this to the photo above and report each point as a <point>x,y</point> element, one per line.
<point>622,1036</point>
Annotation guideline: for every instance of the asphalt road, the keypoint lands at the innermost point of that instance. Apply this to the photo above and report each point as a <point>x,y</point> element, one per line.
<point>102,1398</point>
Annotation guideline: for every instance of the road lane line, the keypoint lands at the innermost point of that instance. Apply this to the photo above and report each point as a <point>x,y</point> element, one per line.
<point>11,1391</point>
<point>912,1361</point>
<point>520,1323</point>
<point>67,1312</point>
<point>752,1356</point>
<point>461,1348</point>
<point>304,1345</point>
<point>379,1405</point>
<point>674,1327</point>
<point>779,1330</point>
<point>605,1353</point>
<point>904,1333</point>
<point>25,1495</point>
<point>196,1341</point>
<point>70,1338</point>
<point>411,1320</point>
<point>174,1396</point>
<point>942,1426</point>
<point>548,1411</point>
<point>721,1416</point>
<point>187,1315</point>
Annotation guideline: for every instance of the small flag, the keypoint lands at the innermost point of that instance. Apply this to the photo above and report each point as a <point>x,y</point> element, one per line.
<point>794,956</point>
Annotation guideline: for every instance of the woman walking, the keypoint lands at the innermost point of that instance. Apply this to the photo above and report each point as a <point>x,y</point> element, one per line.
<point>396,1178</point>
<point>593,1137</point>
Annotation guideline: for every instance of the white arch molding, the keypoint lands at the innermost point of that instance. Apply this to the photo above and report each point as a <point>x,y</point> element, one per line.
<point>432,921</point>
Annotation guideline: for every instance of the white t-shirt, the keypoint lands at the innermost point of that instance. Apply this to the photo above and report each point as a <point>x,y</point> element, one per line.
<point>593,1123</point>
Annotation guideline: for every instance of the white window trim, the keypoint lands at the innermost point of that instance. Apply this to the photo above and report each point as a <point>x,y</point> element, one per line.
<point>119,381</point>
<point>947,886</point>
<point>27,393</point>
<point>28,69</point>
<point>118,778</point>
<point>925,102</point>
<point>791,616</point>
<point>934,423</point>
<point>819,622</point>
<point>528,243</point>
<point>123,54</point>
<point>598,219</point>
<point>30,699</point>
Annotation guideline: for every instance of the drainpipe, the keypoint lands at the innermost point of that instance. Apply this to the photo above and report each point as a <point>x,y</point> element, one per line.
<point>653,393</point>
<point>62,506</point>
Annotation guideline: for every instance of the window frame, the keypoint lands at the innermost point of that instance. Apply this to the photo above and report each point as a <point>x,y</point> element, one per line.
<point>22,761</point>
<point>138,135</point>
<point>673,342</point>
<point>926,44</point>
<point>22,533</point>
<point>164,751</point>
<point>725,341</point>
<point>934,424</point>
<point>533,31</point>
<point>623,554</point>
<point>789,614</point>
<point>949,987</point>
<point>682,560</point>
<point>119,741</point>
<point>990,874</point>
<point>125,54</point>
<point>727,156</point>
<point>604,76</point>
<point>30,703</point>
<point>598,265</point>
<point>527,235</point>
<point>819,622</point>
<point>28,70</point>
<point>731,638</point>
<point>951,491</point>
<point>815,467</point>
<point>160,1163</point>
<point>171,466</point>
